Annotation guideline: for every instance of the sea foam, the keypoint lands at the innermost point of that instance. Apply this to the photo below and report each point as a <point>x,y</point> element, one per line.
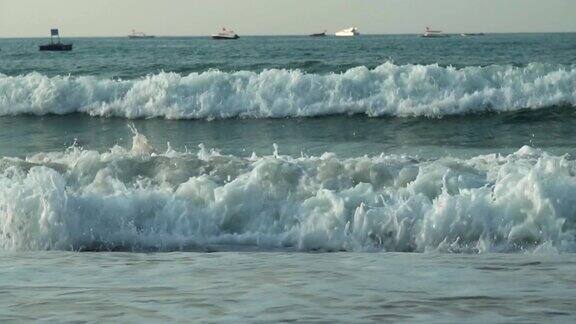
<point>138,200</point>
<point>387,90</point>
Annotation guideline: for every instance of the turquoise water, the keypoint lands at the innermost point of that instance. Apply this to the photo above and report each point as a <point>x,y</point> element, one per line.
<point>123,58</point>
<point>378,178</point>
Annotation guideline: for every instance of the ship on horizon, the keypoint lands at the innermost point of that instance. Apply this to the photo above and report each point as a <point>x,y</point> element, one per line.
<point>225,34</point>
<point>429,33</point>
<point>322,34</point>
<point>471,34</point>
<point>348,32</point>
<point>139,35</point>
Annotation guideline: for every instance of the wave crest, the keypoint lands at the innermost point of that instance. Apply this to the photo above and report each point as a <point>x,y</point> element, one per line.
<point>388,90</point>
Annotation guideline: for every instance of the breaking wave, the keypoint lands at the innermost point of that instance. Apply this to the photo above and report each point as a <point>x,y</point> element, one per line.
<point>387,90</point>
<point>140,200</point>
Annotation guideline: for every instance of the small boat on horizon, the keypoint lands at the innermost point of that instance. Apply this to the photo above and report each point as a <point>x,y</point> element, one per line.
<point>429,33</point>
<point>225,34</point>
<point>348,32</point>
<point>471,34</point>
<point>55,46</point>
<point>139,35</point>
<point>322,34</point>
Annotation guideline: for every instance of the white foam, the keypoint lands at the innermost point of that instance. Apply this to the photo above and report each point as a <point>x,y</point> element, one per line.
<point>388,90</point>
<point>139,200</point>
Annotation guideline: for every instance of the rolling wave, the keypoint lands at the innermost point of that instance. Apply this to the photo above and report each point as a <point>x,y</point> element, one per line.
<point>387,90</point>
<point>139,200</point>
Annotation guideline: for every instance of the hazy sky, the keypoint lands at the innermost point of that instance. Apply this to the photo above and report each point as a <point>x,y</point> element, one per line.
<point>22,18</point>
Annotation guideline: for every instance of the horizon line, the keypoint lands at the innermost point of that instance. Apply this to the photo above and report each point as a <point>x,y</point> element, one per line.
<point>289,35</point>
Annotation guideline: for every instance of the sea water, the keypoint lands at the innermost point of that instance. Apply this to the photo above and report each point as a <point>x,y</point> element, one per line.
<point>378,178</point>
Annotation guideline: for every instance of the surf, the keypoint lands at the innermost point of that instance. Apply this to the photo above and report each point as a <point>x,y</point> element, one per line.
<point>429,91</point>
<point>145,199</point>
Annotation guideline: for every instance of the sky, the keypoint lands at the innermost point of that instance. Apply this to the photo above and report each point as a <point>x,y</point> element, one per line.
<point>33,18</point>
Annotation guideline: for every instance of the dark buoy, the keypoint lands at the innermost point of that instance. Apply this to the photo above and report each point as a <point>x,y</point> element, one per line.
<point>55,46</point>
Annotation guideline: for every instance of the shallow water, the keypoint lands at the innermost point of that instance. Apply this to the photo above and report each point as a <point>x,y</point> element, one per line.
<point>272,287</point>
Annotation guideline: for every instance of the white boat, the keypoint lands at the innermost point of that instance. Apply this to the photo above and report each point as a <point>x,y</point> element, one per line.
<point>433,33</point>
<point>348,32</point>
<point>139,35</point>
<point>226,34</point>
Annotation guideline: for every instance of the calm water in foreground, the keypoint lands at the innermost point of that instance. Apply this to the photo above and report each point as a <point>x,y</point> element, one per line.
<point>272,287</point>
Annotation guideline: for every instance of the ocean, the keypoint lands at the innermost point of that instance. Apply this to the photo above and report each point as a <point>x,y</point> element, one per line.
<point>380,178</point>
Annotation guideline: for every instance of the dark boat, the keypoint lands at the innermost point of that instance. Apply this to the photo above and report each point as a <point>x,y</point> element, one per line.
<point>55,46</point>
<point>472,34</point>
<point>318,34</point>
<point>225,37</point>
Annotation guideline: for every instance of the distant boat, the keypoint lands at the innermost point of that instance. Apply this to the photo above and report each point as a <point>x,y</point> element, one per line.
<point>433,33</point>
<point>322,34</point>
<point>472,34</point>
<point>348,32</point>
<point>139,35</point>
<point>55,46</point>
<point>226,34</point>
